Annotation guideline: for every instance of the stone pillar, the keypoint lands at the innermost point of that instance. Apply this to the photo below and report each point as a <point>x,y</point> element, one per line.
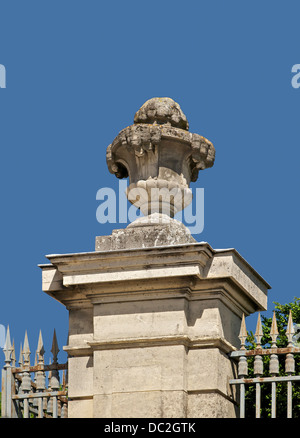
<point>153,314</point>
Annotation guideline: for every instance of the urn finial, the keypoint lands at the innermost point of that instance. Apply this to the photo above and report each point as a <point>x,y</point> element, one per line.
<point>160,156</point>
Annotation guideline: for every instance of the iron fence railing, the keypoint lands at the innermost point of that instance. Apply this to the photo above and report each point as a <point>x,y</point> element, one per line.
<point>42,390</point>
<point>273,378</point>
<point>26,390</point>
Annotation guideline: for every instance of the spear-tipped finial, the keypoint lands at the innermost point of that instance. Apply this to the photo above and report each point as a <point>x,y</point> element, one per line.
<point>243,333</point>
<point>21,355</point>
<point>7,339</point>
<point>7,347</point>
<point>54,349</point>
<point>26,350</point>
<point>258,332</point>
<point>274,331</point>
<point>290,330</point>
<point>13,355</point>
<point>40,349</point>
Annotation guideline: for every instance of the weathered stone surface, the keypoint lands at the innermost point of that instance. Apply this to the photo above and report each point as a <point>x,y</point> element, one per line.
<point>162,195</point>
<point>173,147</point>
<point>153,314</point>
<point>159,152</point>
<point>151,231</point>
<point>189,261</point>
<point>160,111</point>
<point>152,386</point>
<point>150,328</point>
<point>218,406</point>
<point>80,408</point>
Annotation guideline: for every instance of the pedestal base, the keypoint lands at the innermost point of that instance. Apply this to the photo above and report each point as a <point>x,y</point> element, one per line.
<point>147,232</point>
<point>150,328</point>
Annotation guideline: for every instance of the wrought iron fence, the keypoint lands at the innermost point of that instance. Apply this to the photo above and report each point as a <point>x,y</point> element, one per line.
<point>273,378</point>
<point>26,390</point>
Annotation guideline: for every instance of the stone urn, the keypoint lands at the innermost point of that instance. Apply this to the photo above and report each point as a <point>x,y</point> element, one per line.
<point>160,156</point>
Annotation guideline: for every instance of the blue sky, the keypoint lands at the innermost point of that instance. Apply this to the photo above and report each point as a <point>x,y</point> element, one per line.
<point>78,71</point>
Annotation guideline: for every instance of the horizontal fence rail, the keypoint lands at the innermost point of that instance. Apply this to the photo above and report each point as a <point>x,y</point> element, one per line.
<point>243,355</point>
<point>26,390</point>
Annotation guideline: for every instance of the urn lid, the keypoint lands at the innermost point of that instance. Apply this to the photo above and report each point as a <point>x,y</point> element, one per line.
<point>162,110</point>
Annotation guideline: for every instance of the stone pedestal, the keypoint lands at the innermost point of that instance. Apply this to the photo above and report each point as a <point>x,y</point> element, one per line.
<point>153,313</point>
<point>151,323</point>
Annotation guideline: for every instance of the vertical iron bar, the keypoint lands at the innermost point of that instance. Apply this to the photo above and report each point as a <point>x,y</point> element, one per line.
<point>40,408</point>
<point>257,401</point>
<point>6,388</point>
<point>274,363</point>
<point>26,379</point>
<point>55,375</point>
<point>273,413</point>
<point>49,407</point>
<point>14,405</point>
<point>40,375</point>
<point>54,414</point>
<point>64,410</point>
<point>289,369</point>
<point>242,400</point>
<point>26,408</point>
<point>8,393</point>
<point>242,366</point>
<point>289,399</point>
<point>258,371</point>
<point>3,395</point>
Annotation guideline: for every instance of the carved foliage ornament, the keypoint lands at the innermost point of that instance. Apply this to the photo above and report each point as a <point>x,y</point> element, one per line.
<point>158,146</point>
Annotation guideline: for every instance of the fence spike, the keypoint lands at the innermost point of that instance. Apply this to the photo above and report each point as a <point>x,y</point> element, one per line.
<point>7,347</point>
<point>26,350</point>
<point>40,349</point>
<point>40,375</point>
<point>243,333</point>
<point>7,339</point>
<point>13,355</point>
<point>258,332</point>
<point>21,355</point>
<point>274,330</point>
<point>290,330</point>
<point>55,373</point>
<point>54,349</point>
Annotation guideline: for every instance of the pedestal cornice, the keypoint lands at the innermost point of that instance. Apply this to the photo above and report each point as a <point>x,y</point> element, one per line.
<point>84,277</point>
